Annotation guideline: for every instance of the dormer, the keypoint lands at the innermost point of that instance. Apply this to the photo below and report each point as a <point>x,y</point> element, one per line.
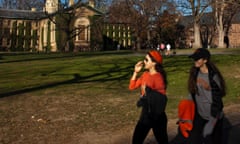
<point>51,6</point>
<point>70,3</point>
<point>91,3</point>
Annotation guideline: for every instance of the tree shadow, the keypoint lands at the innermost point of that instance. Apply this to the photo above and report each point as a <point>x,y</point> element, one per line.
<point>109,75</point>
<point>51,56</point>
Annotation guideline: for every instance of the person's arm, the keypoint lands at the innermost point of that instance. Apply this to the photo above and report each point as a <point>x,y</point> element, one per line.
<point>217,104</point>
<point>134,81</point>
<point>134,76</point>
<point>216,108</point>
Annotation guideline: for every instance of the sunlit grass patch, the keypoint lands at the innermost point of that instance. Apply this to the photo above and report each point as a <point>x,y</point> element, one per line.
<point>92,89</point>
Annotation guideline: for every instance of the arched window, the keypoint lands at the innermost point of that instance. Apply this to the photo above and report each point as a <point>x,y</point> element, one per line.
<point>82,31</point>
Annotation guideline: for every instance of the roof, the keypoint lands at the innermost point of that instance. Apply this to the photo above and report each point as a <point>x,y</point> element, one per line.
<point>186,20</point>
<point>79,4</point>
<point>21,14</point>
<point>36,15</point>
<point>207,18</point>
<point>236,18</point>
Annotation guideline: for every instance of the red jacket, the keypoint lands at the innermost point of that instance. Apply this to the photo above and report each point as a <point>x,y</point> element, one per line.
<point>186,112</point>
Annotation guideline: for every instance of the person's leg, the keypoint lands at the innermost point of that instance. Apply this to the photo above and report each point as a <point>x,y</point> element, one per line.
<point>179,138</point>
<point>226,130</point>
<point>160,129</point>
<point>140,133</point>
<point>196,134</point>
<point>216,136</point>
<point>217,133</point>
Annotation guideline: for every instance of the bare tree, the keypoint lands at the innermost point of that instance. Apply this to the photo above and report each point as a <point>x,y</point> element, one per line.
<point>224,11</point>
<point>8,4</point>
<point>22,4</point>
<point>196,8</point>
<point>103,5</point>
<point>64,20</point>
<point>143,16</point>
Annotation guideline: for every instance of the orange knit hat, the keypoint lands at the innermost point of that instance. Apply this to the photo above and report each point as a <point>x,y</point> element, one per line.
<point>157,56</point>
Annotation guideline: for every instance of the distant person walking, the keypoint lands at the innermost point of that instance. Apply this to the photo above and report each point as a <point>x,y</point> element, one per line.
<point>168,52</point>
<point>190,44</point>
<point>162,48</point>
<point>153,99</point>
<point>118,47</point>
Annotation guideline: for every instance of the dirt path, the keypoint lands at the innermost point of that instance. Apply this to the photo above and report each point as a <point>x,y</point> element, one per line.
<point>124,137</point>
<point>28,119</point>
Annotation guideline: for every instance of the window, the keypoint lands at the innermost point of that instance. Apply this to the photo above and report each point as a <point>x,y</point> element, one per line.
<point>6,31</point>
<point>81,32</point>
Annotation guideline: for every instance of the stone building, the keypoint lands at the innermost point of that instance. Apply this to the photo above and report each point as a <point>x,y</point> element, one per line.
<point>209,35</point>
<point>234,32</point>
<point>37,31</point>
<point>31,30</point>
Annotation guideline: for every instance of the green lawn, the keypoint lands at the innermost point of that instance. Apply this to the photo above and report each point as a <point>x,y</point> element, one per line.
<point>104,74</point>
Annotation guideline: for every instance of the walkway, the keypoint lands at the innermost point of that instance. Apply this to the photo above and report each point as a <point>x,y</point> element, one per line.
<point>232,123</point>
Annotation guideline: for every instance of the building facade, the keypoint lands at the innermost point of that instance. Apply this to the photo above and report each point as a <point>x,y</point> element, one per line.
<point>208,33</point>
<point>31,30</point>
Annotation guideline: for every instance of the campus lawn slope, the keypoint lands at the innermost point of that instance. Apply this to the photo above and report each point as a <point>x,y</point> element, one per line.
<point>84,97</point>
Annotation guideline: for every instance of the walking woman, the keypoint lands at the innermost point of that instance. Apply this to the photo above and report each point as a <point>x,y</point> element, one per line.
<point>207,87</point>
<point>153,100</point>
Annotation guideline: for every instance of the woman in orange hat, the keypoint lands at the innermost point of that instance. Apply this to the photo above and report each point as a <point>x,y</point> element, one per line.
<point>153,100</point>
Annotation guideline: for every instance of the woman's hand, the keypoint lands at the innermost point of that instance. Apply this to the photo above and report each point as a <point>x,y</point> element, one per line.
<point>138,66</point>
<point>137,69</point>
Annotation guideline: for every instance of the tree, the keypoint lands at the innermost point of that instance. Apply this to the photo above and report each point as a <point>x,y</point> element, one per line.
<point>167,28</point>
<point>22,4</point>
<point>196,8</point>
<point>142,16</point>
<point>224,11</point>
<point>102,5</point>
<point>66,29</point>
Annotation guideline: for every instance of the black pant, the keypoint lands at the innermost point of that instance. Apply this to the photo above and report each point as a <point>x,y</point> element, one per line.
<point>196,135</point>
<point>147,121</point>
<point>179,138</point>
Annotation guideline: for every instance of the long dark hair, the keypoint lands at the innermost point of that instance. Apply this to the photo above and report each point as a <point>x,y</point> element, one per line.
<point>192,80</point>
<point>159,68</point>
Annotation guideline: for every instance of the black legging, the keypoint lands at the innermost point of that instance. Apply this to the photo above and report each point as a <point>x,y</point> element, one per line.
<point>157,123</point>
<point>196,135</point>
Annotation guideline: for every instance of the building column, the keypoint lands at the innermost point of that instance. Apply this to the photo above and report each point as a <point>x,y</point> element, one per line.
<point>53,37</point>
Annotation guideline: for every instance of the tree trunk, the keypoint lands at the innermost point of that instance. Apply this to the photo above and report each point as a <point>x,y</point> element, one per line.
<point>220,28</point>
<point>221,39</point>
<point>197,39</point>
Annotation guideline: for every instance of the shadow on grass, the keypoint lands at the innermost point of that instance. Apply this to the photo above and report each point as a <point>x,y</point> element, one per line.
<point>77,79</point>
<point>49,56</point>
<point>98,76</point>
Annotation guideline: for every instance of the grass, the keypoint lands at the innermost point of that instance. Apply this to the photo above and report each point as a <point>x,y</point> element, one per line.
<point>100,80</point>
<point>21,72</point>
